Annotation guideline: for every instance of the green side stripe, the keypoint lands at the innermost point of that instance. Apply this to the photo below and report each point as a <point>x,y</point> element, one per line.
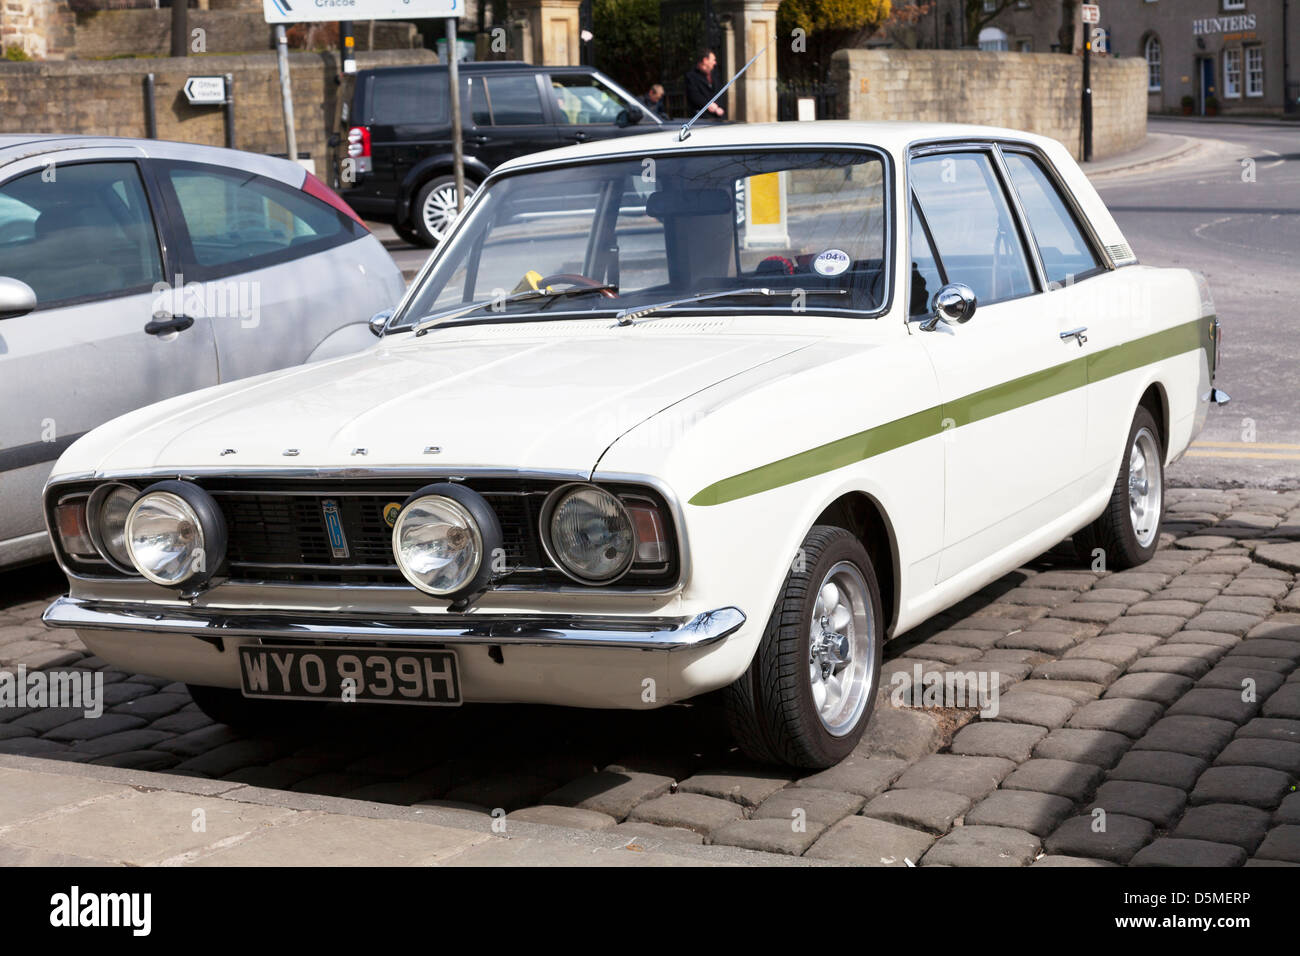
<point>995,400</point>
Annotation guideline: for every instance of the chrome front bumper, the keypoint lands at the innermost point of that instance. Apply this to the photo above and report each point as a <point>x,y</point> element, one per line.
<point>637,633</point>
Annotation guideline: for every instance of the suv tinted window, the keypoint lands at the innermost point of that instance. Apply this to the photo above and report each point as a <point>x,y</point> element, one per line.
<point>418,97</point>
<point>1066,254</point>
<point>971,223</point>
<point>234,217</point>
<point>505,101</point>
<point>87,231</point>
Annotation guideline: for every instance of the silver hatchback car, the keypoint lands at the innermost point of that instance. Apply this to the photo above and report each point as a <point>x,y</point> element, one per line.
<point>135,270</point>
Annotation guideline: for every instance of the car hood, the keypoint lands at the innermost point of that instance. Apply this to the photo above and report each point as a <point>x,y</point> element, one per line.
<point>551,401</point>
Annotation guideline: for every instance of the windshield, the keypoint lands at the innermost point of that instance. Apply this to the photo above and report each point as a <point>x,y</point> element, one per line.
<point>809,225</point>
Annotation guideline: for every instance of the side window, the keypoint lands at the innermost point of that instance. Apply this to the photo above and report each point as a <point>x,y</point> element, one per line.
<point>927,279</point>
<point>1065,251</point>
<point>403,98</point>
<point>512,101</point>
<point>971,223</point>
<point>584,100</point>
<point>237,218</point>
<point>79,230</point>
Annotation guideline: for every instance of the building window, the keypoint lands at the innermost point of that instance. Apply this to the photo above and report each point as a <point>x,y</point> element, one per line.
<point>990,5</point>
<point>991,38</point>
<point>1254,71</point>
<point>1232,73</point>
<point>1234,4</point>
<point>1025,45</point>
<point>1152,51</point>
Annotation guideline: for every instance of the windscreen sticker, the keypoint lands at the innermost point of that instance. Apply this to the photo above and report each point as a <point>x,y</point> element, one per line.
<point>831,262</point>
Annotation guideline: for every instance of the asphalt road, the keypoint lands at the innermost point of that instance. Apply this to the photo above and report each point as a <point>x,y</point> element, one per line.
<point>1204,213</point>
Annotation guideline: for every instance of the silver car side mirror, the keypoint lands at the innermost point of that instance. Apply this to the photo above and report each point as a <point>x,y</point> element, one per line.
<point>954,303</point>
<point>16,298</point>
<point>379,320</point>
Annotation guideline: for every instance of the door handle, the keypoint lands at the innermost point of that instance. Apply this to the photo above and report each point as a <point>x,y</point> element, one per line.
<point>162,324</point>
<point>578,135</point>
<point>479,139</point>
<point>1076,334</point>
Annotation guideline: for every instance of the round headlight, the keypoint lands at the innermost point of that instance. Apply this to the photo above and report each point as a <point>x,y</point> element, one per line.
<point>438,544</point>
<point>176,534</point>
<point>589,534</point>
<point>107,510</point>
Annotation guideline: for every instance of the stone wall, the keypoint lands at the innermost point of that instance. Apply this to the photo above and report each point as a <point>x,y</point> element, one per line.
<point>107,98</point>
<point>1035,92</point>
<point>40,28</point>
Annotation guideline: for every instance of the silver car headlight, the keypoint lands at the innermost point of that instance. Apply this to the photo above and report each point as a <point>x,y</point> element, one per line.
<point>107,511</point>
<point>175,534</point>
<point>446,540</point>
<point>588,533</point>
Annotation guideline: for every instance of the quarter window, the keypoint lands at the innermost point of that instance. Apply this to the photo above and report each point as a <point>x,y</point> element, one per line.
<point>971,223</point>
<point>401,97</point>
<point>1061,244</point>
<point>79,231</point>
<point>1232,73</point>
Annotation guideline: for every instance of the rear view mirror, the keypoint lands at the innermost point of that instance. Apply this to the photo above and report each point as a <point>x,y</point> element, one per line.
<point>16,298</point>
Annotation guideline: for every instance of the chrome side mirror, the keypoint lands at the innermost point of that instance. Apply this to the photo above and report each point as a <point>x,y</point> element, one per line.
<point>16,298</point>
<point>379,320</point>
<point>954,303</point>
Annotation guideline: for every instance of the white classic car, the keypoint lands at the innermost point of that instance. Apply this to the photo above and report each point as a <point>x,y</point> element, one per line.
<point>664,416</point>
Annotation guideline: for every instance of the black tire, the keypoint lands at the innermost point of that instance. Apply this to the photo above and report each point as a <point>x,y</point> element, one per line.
<point>251,714</point>
<point>770,709</point>
<point>408,233</point>
<point>1114,532</point>
<point>426,236</point>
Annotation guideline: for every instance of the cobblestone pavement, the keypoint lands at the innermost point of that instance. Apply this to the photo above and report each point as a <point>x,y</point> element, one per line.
<point>1148,717</point>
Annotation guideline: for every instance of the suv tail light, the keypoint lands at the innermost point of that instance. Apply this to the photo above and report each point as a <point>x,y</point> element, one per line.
<point>359,148</point>
<point>313,186</point>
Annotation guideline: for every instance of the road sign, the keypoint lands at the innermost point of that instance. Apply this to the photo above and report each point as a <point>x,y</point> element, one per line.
<point>302,11</point>
<point>1091,12</point>
<point>205,90</point>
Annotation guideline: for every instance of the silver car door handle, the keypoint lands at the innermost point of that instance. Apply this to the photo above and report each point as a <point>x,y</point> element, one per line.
<point>1076,334</point>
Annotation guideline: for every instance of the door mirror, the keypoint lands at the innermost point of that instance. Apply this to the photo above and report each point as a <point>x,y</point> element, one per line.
<point>379,320</point>
<point>954,303</point>
<point>627,117</point>
<point>16,298</point>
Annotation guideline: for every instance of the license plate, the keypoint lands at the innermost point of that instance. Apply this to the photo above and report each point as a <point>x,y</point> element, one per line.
<point>378,675</point>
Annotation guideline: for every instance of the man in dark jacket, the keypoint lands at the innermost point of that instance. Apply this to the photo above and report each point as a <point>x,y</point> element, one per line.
<point>653,100</point>
<point>700,87</point>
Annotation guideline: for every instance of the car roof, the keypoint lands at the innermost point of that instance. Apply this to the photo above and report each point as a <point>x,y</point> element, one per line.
<point>16,146</point>
<point>892,137</point>
<point>476,66</point>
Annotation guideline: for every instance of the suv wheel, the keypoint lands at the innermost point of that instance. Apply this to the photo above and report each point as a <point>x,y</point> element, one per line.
<point>435,208</point>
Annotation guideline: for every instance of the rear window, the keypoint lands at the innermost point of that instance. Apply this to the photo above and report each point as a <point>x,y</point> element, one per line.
<point>415,97</point>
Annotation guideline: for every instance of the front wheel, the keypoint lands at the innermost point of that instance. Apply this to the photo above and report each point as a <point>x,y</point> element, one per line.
<point>808,693</point>
<point>435,208</point>
<point>1128,531</point>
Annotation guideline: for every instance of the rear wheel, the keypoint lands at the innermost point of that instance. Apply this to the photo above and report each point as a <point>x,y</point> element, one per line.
<point>1128,531</point>
<point>435,208</point>
<point>408,233</point>
<point>808,693</point>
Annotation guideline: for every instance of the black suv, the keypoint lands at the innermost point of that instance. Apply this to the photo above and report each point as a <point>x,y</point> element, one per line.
<point>398,135</point>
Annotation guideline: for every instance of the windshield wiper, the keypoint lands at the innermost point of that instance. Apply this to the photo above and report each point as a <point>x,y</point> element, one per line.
<point>429,322</point>
<point>628,316</point>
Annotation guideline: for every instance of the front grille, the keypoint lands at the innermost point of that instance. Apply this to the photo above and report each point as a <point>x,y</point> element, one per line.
<point>278,533</point>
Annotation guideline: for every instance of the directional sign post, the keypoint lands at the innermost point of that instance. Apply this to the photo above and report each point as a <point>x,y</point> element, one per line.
<point>1091,15</point>
<point>206,90</point>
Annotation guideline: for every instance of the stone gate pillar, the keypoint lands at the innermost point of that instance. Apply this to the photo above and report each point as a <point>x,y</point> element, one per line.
<point>753,27</point>
<point>550,34</point>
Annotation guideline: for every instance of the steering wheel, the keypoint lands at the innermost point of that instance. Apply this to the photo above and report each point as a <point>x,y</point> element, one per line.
<point>575,279</point>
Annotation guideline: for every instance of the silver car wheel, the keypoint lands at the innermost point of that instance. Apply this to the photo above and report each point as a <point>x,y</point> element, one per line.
<point>841,648</point>
<point>1144,487</point>
<point>439,212</point>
